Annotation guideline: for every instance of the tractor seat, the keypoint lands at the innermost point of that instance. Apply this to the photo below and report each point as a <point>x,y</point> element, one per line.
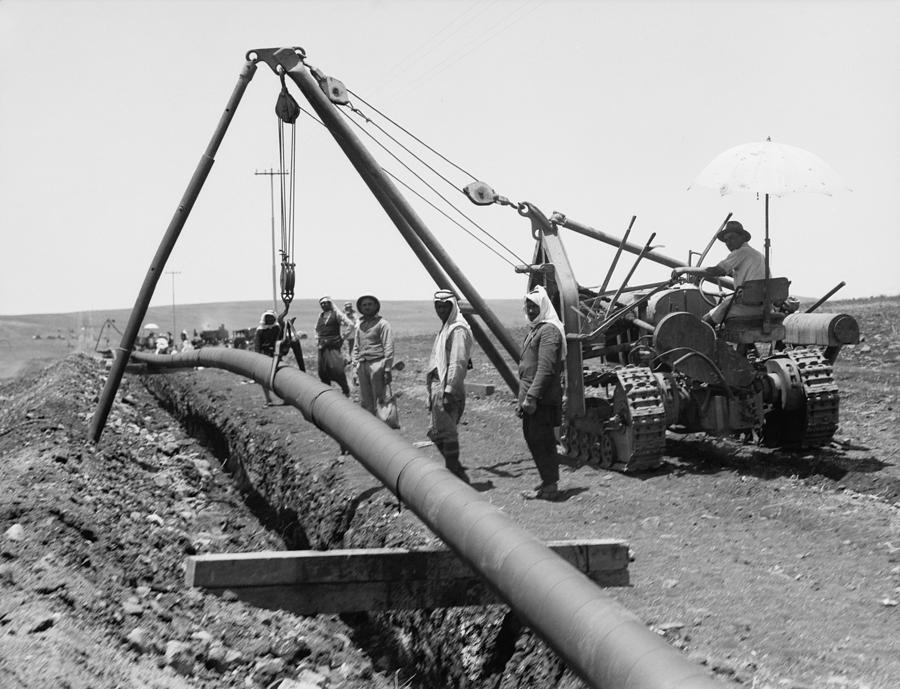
<point>745,326</point>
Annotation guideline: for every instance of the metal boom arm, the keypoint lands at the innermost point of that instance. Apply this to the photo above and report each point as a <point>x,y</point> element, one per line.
<point>123,351</point>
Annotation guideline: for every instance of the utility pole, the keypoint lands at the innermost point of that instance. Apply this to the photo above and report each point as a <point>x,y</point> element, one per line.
<point>173,273</point>
<point>270,173</point>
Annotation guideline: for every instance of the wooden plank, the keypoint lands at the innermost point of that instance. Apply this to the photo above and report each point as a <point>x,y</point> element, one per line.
<point>336,581</point>
<point>483,389</point>
<point>276,568</point>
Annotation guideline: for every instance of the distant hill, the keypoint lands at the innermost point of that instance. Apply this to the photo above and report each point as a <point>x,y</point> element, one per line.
<point>30,341</point>
<point>33,340</point>
<point>408,317</point>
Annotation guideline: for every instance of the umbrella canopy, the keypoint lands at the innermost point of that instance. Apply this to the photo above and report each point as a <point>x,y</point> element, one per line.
<point>769,168</point>
<point>151,326</point>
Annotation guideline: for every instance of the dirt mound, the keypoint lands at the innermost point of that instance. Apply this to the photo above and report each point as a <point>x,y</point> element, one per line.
<point>94,545</point>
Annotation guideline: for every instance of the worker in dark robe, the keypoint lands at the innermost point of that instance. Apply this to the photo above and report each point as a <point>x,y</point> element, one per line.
<point>330,341</point>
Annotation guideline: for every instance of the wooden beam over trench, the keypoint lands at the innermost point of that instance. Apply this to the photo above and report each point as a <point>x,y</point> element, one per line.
<point>312,582</point>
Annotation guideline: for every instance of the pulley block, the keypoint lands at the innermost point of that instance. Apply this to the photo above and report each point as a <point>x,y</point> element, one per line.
<point>335,90</point>
<point>480,193</point>
<point>287,282</point>
<point>286,107</point>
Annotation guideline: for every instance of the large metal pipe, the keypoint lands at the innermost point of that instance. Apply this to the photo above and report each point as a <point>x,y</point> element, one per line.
<point>98,421</point>
<point>601,641</point>
<point>374,176</point>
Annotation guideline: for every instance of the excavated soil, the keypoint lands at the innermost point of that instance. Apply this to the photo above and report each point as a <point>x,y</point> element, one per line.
<point>773,569</point>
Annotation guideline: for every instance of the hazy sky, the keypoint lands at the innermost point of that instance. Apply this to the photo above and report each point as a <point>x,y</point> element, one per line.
<point>599,110</point>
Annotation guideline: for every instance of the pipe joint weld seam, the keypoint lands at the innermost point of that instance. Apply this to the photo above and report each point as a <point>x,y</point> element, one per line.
<point>399,476</point>
<point>312,408</point>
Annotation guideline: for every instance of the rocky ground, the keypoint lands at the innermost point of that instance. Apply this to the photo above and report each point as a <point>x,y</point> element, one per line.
<point>773,569</point>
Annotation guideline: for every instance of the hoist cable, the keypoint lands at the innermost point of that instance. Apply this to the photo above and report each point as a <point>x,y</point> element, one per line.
<point>315,119</point>
<point>453,220</point>
<point>411,153</point>
<point>439,195</point>
<point>435,191</point>
<point>292,216</point>
<point>281,184</point>
<point>413,136</point>
<point>287,110</point>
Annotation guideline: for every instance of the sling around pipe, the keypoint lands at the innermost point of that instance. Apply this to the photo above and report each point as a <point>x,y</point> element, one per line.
<point>605,644</point>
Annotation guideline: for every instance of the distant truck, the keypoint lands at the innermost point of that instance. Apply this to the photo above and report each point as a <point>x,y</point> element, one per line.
<point>213,338</point>
<point>243,338</point>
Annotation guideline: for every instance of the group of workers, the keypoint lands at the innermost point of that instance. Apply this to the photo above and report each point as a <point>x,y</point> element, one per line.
<point>370,348</point>
<point>540,399</point>
<point>164,343</point>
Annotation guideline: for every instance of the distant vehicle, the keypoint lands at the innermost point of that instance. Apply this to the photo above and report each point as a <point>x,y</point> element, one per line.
<point>243,338</point>
<point>213,338</point>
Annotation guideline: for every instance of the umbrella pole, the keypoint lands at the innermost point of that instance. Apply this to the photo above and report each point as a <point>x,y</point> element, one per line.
<point>767,237</point>
<point>767,306</point>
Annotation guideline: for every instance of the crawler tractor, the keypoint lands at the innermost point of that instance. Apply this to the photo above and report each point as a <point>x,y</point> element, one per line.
<point>647,361</point>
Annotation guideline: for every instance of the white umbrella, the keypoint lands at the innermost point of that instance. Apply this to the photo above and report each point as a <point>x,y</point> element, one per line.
<point>151,326</point>
<point>769,168</point>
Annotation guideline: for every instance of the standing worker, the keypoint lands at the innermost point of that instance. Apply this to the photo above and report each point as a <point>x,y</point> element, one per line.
<point>445,380</point>
<point>373,353</point>
<point>348,331</point>
<point>330,342</point>
<point>540,389</point>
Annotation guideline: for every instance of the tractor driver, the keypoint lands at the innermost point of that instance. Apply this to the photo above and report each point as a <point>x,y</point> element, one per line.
<point>742,263</point>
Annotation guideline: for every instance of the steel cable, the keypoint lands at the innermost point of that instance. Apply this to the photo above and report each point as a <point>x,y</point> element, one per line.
<point>435,191</point>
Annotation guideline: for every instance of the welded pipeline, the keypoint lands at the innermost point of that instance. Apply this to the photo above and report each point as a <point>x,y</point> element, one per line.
<point>605,644</point>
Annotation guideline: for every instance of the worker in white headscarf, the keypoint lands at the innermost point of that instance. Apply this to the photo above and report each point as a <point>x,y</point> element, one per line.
<point>445,380</point>
<point>540,389</point>
<point>329,341</point>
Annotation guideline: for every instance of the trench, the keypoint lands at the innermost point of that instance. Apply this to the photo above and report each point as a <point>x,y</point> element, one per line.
<point>470,648</point>
<point>281,521</point>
